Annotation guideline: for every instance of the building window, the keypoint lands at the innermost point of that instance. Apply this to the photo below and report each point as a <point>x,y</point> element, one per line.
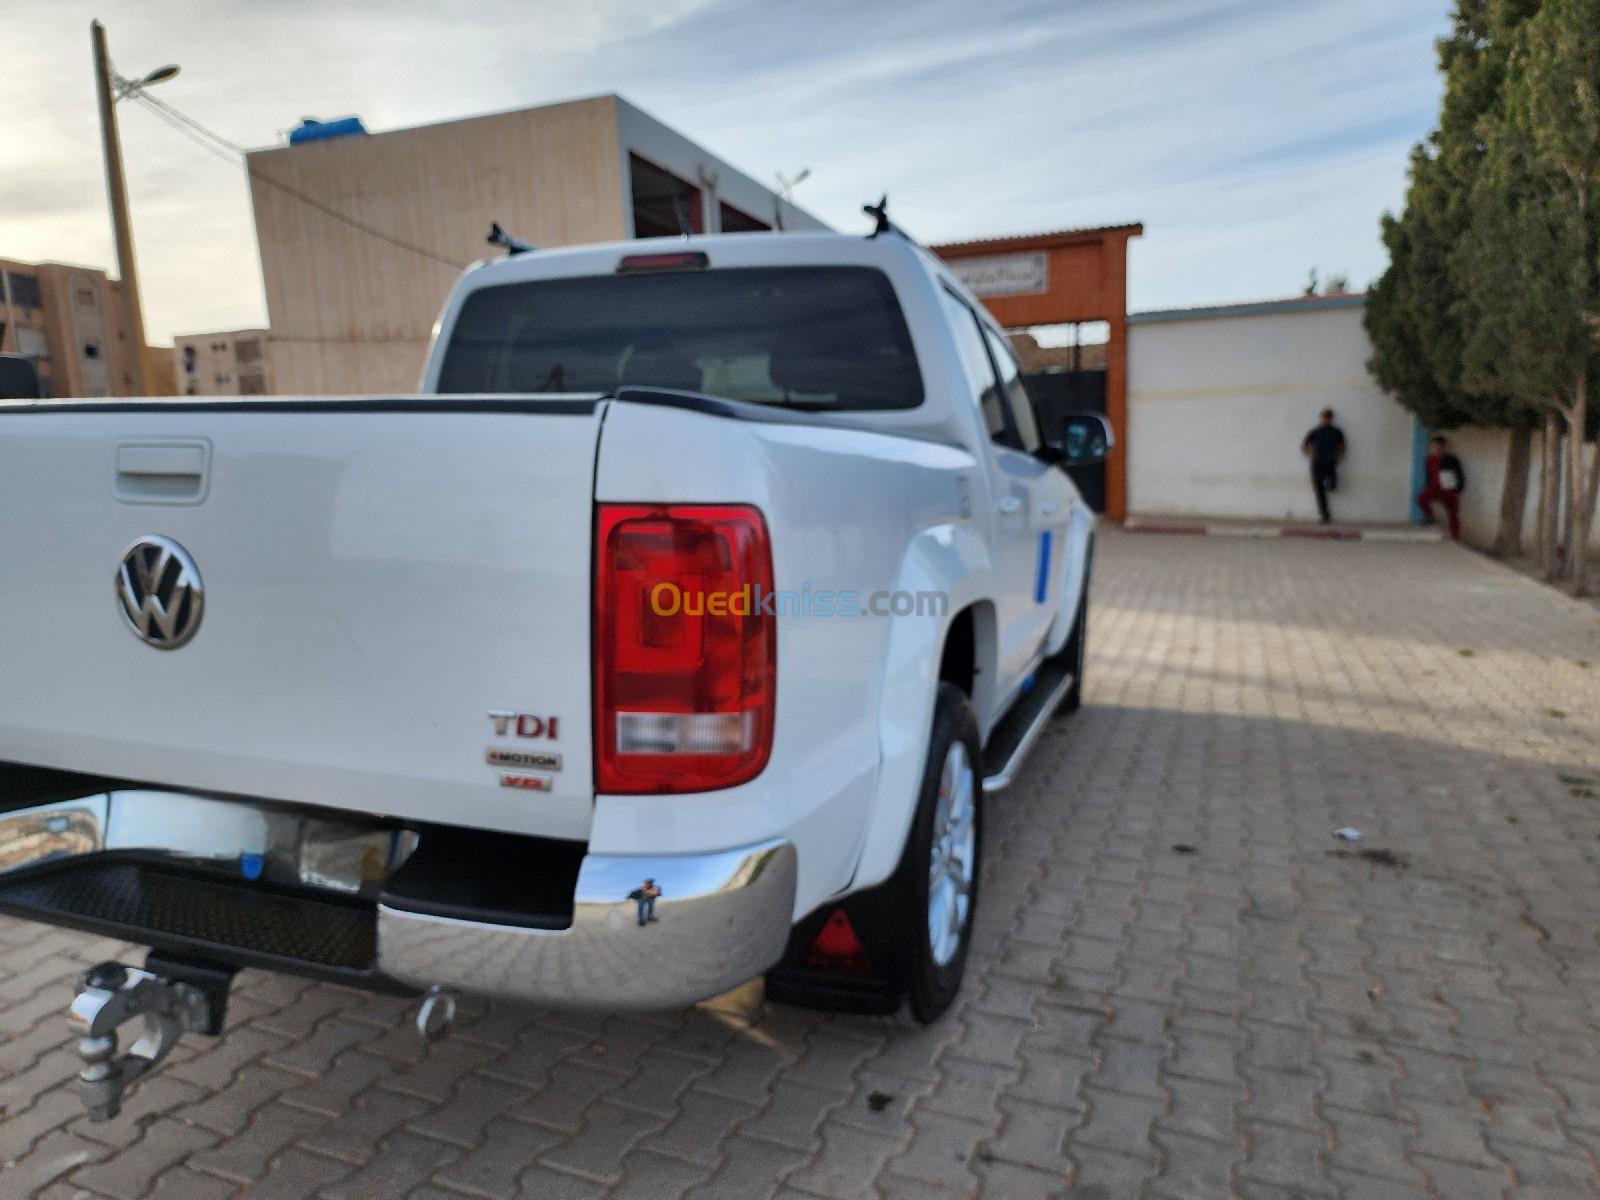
<point>663,204</point>
<point>252,385</point>
<point>734,221</point>
<point>85,297</point>
<point>32,343</point>
<point>247,350</point>
<point>24,290</point>
<point>91,349</point>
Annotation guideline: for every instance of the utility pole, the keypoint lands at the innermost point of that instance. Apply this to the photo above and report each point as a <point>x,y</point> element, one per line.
<point>118,190</point>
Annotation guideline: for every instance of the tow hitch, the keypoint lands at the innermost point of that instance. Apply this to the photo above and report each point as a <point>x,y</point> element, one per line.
<point>173,998</point>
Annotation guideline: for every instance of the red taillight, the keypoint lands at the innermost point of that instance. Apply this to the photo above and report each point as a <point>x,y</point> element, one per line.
<point>685,650</point>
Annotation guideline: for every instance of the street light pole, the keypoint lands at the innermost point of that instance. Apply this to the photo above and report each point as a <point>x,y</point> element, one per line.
<point>786,188</point>
<point>118,190</point>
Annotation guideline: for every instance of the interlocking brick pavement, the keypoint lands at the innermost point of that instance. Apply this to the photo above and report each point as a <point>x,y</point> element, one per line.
<point>1183,986</point>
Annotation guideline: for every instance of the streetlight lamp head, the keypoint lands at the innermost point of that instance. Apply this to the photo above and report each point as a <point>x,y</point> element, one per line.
<point>159,75</point>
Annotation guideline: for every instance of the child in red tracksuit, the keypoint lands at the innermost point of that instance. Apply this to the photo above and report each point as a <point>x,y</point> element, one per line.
<point>1446,482</point>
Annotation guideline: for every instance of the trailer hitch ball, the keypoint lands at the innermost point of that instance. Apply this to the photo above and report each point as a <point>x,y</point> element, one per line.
<point>437,1014</point>
<point>111,994</point>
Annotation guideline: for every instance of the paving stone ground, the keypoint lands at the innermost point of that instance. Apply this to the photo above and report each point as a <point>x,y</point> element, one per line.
<point>1182,985</point>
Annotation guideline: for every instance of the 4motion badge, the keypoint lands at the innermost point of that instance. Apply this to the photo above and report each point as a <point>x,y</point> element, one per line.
<point>533,760</point>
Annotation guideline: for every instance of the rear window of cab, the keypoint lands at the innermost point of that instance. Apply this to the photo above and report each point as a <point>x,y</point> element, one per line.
<point>823,338</point>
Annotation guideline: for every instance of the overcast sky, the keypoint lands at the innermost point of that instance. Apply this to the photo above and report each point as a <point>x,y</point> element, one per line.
<point>1254,138</point>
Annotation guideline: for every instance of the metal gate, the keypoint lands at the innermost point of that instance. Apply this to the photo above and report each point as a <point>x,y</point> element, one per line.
<point>1059,392</point>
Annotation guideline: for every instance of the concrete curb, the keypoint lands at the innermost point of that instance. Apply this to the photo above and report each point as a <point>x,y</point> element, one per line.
<point>1320,533</point>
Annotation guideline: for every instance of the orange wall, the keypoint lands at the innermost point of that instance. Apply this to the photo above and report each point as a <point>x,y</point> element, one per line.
<point>1086,279</point>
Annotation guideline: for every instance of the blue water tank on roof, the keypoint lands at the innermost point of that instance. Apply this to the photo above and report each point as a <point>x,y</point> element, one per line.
<point>312,130</point>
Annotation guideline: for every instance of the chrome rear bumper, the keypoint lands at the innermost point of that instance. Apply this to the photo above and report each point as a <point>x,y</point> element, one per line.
<point>268,842</point>
<point>718,920</point>
<point>721,919</point>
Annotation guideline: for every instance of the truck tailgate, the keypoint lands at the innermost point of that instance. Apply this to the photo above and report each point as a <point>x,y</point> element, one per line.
<point>378,577</point>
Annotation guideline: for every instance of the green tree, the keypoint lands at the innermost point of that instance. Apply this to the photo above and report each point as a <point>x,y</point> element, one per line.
<point>1409,311</point>
<point>1531,258</point>
<point>1419,313</point>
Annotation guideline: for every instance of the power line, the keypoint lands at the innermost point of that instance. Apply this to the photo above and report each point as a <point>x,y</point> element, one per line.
<point>205,144</point>
<point>156,102</point>
<point>454,264</point>
<point>228,151</point>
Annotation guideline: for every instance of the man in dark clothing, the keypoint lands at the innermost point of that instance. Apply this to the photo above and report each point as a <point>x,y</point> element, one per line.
<point>1446,481</point>
<point>1324,446</point>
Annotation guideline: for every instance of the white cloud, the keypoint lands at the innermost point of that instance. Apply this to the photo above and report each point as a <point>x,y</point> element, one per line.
<point>1253,138</point>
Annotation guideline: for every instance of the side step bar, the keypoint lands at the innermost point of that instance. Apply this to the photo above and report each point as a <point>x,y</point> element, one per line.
<point>1012,740</point>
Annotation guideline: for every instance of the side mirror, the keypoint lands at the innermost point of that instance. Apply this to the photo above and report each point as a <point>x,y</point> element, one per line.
<point>1086,438</point>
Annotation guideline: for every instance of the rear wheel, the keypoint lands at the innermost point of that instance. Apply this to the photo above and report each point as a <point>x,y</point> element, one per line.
<point>937,882</point>
<point>907,938</point>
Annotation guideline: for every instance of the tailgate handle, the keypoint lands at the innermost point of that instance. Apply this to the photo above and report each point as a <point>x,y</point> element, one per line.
<point>163,472</point>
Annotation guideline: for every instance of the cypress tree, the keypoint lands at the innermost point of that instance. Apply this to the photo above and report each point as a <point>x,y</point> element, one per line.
<point>1531,259</point>
<point>1419,314</point>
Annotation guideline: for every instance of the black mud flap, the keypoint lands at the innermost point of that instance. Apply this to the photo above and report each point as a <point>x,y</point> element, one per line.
<point>848,956</point>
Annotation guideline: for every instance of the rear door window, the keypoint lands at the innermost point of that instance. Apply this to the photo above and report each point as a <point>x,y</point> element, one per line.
<point>979,371</point>
<point>1015,391</point>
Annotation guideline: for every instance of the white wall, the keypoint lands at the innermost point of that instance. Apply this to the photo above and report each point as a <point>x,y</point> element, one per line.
<point>1483,454</point>
<point>1219,400</point>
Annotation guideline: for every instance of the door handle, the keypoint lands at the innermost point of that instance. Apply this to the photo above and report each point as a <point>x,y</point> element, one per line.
<point>162,471</point>
<point>1009,506</point>
<point>1049,507</point>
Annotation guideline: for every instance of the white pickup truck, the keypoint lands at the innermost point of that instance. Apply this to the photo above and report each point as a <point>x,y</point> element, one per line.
<point>673,635</point>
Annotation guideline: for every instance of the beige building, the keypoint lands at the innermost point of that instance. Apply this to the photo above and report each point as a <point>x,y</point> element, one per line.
<point>236,363</point>
<point>70,321</point>
<point>363,236</point>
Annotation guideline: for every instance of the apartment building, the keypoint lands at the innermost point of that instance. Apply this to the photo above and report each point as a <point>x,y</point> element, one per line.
<point>234,363</point>
<point>70,321</point>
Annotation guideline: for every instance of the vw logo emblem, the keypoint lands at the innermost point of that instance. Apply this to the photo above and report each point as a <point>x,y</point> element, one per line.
<point>159,590</point>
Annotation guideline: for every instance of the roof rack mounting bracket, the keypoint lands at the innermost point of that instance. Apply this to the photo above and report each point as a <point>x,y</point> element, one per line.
<point>499,237</point>
<point>879,213</point>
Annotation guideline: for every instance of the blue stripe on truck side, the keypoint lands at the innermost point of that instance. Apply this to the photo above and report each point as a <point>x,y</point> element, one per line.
<point>1041,583</point>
